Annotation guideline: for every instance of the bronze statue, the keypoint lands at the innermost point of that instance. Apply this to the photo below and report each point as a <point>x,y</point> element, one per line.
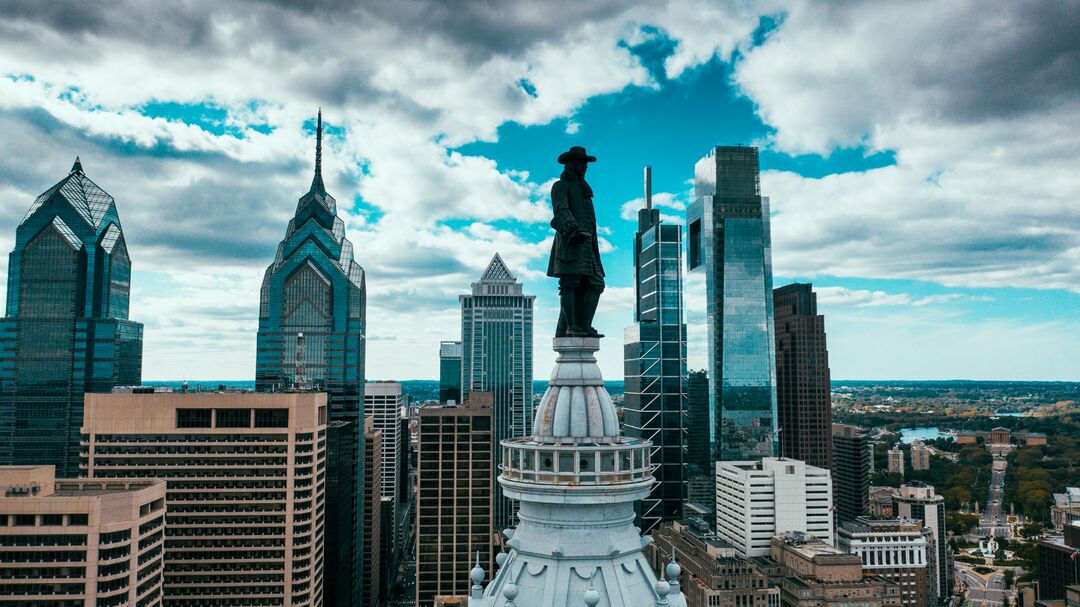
<point>575,256</point>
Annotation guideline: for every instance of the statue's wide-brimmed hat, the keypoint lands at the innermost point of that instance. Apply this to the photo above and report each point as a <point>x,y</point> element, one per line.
<point>575,153</point>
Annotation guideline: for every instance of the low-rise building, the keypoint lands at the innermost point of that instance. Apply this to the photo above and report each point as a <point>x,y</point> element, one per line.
<point>68,542</point>
<point>756,500</point>
<point>882,502</point>
<point>896,549</point>
<point>816,574</point>
<point>1066,508</point>
<point>713,574</point>
<point>1000,436</point>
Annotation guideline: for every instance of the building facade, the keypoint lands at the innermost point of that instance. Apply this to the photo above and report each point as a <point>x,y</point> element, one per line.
<point>312,323</point>
<point>373,479</point>
<point>67,330</point>
<point>69,543</point>
<point>853,460</point>
<point>1058,560</point>
<point>756,500</point>
<point>497,357</point>
<point>817,574</point>
<point>919,502</point>
<point>803,396</point>
<point>654,392</point>
<point>920,456</point>
<point>899,550</point>
<point>713,574</point>
<point>455,493</point>
<point>246,488</point>
<point>449,372</point>
<point>896,461</point>
<point>1066,508</point>
<point>730,331</point>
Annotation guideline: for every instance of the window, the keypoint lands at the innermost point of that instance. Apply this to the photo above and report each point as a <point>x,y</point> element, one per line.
<point>193,418</point>
<point>271,418</point>
<point>233,418</point>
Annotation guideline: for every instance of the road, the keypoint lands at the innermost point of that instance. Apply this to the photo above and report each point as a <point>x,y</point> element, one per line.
<point>993,517</point>
<point>984,593</point>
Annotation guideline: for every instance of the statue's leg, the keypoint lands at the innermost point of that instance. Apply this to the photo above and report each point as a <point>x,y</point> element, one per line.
<point>568,290</point>
<point>591,289</point>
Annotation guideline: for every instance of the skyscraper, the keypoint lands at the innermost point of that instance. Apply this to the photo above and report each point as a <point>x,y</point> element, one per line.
<point>311,333</point>
<point>454,496</point>
<point>449,371</point>
<point>67,330</point>
<point>372,527</point>
<point>655,362</point>
<point>853,456</point>
<point>804,407</point>
<point>497,357</point>
<point>730,306</point>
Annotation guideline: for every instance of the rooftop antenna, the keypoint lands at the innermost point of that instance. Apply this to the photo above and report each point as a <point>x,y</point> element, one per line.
<point>317,181</point>
<point>299,381</point>
<point>648,187</point>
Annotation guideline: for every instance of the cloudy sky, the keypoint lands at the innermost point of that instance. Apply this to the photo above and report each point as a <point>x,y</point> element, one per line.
<point>921,158</point>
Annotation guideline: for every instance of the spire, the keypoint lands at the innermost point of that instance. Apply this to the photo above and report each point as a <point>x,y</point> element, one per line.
<point>317,181</point>
<point>648,187</point>
<point>77,167</point>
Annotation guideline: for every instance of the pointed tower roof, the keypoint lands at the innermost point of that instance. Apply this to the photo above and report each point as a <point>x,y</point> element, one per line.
<point>93,204</point>
<point>497,271</point>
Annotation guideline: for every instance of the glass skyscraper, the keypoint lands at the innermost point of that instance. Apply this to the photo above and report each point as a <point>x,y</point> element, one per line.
<point>655,363</point>
<point>67,330</point>
<point>730,314</point>
<point>311,337</point>
<point>449,371</point>
<point>497,357</point>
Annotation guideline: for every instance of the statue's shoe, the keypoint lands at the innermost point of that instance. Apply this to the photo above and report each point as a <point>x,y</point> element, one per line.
<point>578,333</point>
<point>591,332</point>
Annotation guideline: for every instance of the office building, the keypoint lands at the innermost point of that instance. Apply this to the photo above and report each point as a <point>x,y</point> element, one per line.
<point>700,470</point>
<point>803,396</point>
<point>372,564</point>
<point>67,330</point>
<point>815,574</point>
<point>756,500</point>
<point>853,460</point>
<point>340,485</point>
<point>729,246</point>
<point>654,393</point>
<point>1058,563</point>
<point>882,501</point>
<point>382,403</point>
<point>899,550</point>
<point>920,456</point>
<point>454,496</point>
<point>449,372</point>
<point>312,323</point>
<point>245,500</point>
<point>919,502</point>
<point>576,479</point>
<point>65,543</point>
<point>713,574</point>
<point>497,357</point>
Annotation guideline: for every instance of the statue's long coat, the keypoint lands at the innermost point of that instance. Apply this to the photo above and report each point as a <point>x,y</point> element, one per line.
<point>571,201</point>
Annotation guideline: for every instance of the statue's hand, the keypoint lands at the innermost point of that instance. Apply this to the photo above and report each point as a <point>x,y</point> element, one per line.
<point>580,237</point>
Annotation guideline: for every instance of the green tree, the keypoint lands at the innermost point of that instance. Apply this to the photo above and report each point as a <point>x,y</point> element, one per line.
<point>1009,576</point>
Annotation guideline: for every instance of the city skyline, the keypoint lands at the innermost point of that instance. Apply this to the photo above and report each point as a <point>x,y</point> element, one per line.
<point>932,258</point>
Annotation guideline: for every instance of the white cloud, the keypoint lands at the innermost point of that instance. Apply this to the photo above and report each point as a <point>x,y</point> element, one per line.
<point>971,97</point>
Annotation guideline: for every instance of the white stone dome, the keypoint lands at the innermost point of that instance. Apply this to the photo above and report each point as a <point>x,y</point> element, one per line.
<point>576,406</point>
